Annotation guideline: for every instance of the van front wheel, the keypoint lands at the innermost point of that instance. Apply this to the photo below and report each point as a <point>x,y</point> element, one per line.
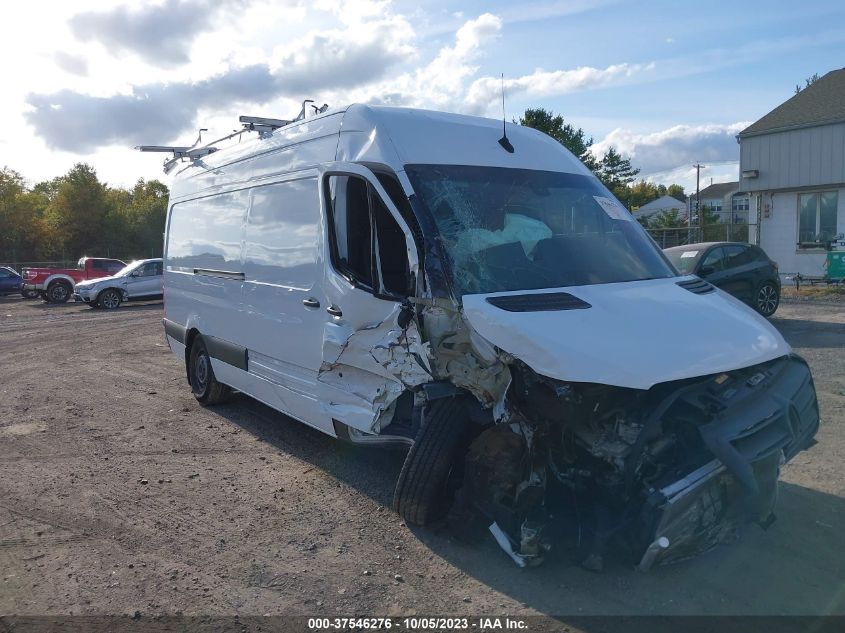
<point>423,491</point>
<point>204,385</point>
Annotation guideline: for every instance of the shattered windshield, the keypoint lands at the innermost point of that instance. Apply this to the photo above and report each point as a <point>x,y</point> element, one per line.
<point>519,229</point>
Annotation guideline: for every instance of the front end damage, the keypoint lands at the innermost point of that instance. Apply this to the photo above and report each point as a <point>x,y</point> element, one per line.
<point>655,474</point>
<point>660,474</point>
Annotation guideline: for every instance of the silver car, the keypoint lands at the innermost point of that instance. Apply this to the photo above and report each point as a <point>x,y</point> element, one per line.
<point>140,280</point>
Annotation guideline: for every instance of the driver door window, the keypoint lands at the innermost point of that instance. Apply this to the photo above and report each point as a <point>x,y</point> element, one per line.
<point>368,246</point>
<point>714,262</point>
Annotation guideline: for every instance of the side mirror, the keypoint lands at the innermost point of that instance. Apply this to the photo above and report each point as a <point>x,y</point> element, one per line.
<point>706,270</point>
<point>134,273</point>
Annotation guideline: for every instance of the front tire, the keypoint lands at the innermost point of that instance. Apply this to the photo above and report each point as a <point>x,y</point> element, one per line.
<point>204,385</point>
<point>59,292</point>
<point>767,300</point>
<point>109,299</point>
<point>423,494</point>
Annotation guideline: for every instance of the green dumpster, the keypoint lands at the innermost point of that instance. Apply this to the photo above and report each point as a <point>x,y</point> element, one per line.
<point>836,264</point>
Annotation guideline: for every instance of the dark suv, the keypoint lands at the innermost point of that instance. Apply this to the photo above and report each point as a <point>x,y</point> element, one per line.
<point>742,270</point>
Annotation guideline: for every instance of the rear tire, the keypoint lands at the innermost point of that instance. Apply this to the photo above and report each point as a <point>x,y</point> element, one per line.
<point>30,294</point>
<point>423,494</point>
<point>204,385</point>
<point>109,299</point>
<point>59,292</point>
<point>767,299</point>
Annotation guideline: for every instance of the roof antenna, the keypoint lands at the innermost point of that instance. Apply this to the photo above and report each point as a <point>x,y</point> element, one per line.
<point>504,142</point>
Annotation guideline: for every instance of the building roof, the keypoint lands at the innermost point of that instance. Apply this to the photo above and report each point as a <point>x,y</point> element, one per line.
<point>820,103</point>
<point>663,203</point>
<point>718,190</point>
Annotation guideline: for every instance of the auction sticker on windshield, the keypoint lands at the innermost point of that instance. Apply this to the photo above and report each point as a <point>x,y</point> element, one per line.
<point>689,254</point>
<point>613,209</point>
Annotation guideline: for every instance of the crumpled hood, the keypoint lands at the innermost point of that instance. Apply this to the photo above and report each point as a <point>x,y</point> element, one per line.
<point>634,334</point>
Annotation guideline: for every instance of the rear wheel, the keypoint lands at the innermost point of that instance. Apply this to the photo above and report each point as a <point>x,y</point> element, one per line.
<point>109,299</point>
<point>423,491</point>
<point>59,292</point>
<point>30,294</point>
<point>204,385</point>
<point>768,298</point>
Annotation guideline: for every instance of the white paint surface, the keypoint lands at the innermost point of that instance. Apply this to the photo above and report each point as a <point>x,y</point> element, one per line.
<point>635,334</point>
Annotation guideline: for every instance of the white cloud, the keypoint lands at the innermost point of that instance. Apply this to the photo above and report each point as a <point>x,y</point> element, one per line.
<point>675,147</point>
<point>487,90</point>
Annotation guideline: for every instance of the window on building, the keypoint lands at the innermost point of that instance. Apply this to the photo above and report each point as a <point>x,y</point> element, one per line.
<point>740,204</point>
<point>817,218</point>
<point>713,205</point>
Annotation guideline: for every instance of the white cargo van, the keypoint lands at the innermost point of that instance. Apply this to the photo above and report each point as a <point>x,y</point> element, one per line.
<point>398,276</point>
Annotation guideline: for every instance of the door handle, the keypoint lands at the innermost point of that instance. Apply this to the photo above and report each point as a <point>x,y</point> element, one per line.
<point>334,311</point>
<point>311,303</point>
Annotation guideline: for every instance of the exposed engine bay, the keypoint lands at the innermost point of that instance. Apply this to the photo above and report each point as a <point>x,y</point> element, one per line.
<point>658,474</point>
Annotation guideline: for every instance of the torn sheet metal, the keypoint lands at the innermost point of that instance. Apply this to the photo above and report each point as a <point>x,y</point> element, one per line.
<point>364,371</point>
<point>466,359</point>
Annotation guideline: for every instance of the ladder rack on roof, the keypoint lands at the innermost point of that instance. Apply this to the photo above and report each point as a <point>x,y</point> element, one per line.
<point>263,125</point>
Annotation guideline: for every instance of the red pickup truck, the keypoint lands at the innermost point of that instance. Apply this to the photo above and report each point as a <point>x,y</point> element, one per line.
<point>56,284</point>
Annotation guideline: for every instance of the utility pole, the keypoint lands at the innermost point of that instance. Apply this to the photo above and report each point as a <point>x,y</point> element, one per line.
<point>698,168</point>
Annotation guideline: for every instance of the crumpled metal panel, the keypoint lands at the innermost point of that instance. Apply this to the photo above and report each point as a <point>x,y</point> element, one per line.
<point>366,370</point>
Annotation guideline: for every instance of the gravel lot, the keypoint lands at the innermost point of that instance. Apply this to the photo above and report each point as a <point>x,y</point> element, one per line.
<point>119,493</point>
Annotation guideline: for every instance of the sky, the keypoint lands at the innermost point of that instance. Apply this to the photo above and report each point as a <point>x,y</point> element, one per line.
<point>666,83</point>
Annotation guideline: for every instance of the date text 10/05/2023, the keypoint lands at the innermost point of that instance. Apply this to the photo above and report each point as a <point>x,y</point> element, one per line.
<point>418,624</point>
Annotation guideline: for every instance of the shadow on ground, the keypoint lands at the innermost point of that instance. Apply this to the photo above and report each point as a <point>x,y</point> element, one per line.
<point>806,333</point>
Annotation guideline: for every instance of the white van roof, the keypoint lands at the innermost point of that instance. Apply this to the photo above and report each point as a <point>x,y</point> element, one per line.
<point>390,136</point>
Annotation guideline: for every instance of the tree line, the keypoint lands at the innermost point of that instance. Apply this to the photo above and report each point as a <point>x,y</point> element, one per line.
<point>76,214</point>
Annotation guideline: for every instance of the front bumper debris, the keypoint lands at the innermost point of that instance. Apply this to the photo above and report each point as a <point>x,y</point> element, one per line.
<point>776,418</point>
<point>673,475</point>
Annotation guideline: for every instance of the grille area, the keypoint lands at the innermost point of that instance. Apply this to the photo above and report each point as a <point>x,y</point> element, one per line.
<point>545,302</point>
<point>698,286</point>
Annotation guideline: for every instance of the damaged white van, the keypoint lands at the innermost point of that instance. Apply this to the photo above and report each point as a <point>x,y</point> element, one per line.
<point>397,276</point>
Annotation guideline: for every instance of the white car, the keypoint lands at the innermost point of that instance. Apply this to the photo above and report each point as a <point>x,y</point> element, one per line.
<point>389,275</point>
<point>140,280</point>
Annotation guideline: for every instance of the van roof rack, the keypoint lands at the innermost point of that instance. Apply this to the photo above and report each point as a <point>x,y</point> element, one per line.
<point>263,125</point>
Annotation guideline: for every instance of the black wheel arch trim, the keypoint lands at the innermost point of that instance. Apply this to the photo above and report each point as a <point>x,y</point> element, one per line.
<point>218,348</point>
<point>175,331</point>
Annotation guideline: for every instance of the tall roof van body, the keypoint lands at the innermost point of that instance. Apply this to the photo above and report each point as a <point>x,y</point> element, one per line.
<point>399,276</point>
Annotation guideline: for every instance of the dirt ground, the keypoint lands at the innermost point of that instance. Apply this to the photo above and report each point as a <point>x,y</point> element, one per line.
<point>119,493</point>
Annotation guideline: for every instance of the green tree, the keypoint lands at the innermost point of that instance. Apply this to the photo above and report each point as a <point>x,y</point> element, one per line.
<point>77,211</point>
<point>617,174</point>
<point>12,220</point>
<point>572,138</point>
<point>670,219</point>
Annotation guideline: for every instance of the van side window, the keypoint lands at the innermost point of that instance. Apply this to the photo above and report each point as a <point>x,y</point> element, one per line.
<point>207,232</point>
<point>367,244</point>
<point>351,243</point>
<point>281,234</point>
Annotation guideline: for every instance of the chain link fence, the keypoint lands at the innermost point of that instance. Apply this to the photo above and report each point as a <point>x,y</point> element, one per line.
<point>680,236</point>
